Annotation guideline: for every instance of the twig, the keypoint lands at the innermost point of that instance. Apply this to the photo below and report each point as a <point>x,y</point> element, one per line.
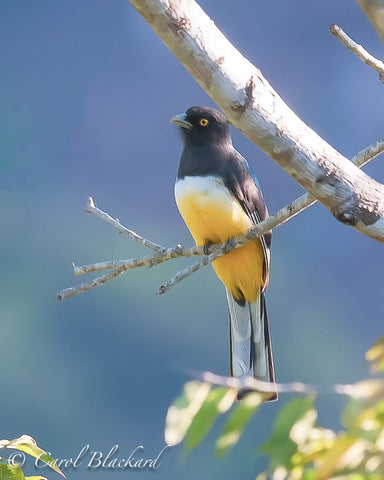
<point>84,287</point>
<point>163,254</point>
<point>120,266</point>
<point>95,267</point>
<point>369,153</point>
<point>282,216</point>
<point>358,50</point>
<point>146,261</point>
<point>115,222</point>
<point>251,383</point>
<point>365,389</point>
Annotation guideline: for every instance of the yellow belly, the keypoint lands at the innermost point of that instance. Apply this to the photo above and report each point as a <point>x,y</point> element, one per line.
<point>212,216</point>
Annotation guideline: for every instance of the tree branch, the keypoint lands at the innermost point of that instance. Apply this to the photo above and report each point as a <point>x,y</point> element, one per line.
<point>364,389</point>
<point>358,50</point>
<point>251,105</point>
<point>163,254</point>
<point>91,208</point>
<point>282,216</point>
<point>374,10</point>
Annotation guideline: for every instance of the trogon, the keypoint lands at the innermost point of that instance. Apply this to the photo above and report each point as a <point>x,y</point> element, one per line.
<point>219,198</point>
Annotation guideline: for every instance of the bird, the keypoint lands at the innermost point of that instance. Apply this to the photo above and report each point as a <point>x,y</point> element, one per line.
<point>220,198</point>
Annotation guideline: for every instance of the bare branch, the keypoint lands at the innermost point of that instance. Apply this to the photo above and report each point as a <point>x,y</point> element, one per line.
<point>214,251</point>
<point>250,383</point>
<point>364,389</point>
<point>358,50</point>
<point>251,105</point>
<point>369,153</point>
<point>91,208</point>
<point>120,266</point>
<point>374,10</point>
<point>84,287</point>
<point>283,215</point>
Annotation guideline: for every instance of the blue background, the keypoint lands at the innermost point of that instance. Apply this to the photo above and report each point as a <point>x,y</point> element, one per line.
<point>86,94</point>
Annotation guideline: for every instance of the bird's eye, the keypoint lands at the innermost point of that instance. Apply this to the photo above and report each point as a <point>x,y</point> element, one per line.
<point>203,122</point>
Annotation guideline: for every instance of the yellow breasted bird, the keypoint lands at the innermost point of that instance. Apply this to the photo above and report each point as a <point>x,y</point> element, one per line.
<point>219,198</point>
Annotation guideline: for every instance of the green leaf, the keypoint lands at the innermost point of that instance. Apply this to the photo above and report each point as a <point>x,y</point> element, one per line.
<point>312,446</point>
<point>262,476</point>
<point>34,477</point>
<point>183,410</point>
<point>280,446</point>
<point>28,445</point>
<point>309,475</point>
<point>217,402</point>
<point>351,412</point>
<point>345,453</point>
<point>237,422</point>
<point>11,472</point>
<point>371,421</point>
<point>375,355</point>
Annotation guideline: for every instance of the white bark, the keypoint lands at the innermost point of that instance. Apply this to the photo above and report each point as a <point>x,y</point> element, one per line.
<point>358,50</point>
<point>251,105</point>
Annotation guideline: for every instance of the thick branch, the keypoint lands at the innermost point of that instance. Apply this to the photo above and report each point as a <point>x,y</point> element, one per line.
<point>255,108</point>
<point>374,10</point>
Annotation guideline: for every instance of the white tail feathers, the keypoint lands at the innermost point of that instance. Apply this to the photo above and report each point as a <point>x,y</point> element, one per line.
<point>250,345</point>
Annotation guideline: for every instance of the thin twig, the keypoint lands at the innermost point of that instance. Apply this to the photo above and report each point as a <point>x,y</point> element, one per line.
<point>251,383</point>
<point>368,154</point>
<point>128,264</point>
<point>115,222</point>
<point>96,282</point>
<point>358,50</point>
<point>121,266</point>
<point>146,261</point>
<point>282,216</point>
<point>163,254</point>
<point>364,389</point>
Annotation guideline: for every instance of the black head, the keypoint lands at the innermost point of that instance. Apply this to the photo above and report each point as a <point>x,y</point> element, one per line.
<point>202,126</point>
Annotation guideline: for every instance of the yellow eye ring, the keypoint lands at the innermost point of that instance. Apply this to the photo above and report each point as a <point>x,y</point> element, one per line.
<point>203,122</point>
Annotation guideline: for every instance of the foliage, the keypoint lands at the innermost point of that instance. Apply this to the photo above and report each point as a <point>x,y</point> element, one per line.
<point>10,468</point>
<point>298,448</point>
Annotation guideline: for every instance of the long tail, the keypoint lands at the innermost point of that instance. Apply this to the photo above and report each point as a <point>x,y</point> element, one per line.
<point>250,342</point>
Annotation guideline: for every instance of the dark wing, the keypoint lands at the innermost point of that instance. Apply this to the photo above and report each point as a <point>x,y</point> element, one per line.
<point>245,187</point>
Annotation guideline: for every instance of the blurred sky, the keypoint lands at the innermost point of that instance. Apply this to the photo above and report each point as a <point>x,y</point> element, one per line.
<point>86,94</point>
